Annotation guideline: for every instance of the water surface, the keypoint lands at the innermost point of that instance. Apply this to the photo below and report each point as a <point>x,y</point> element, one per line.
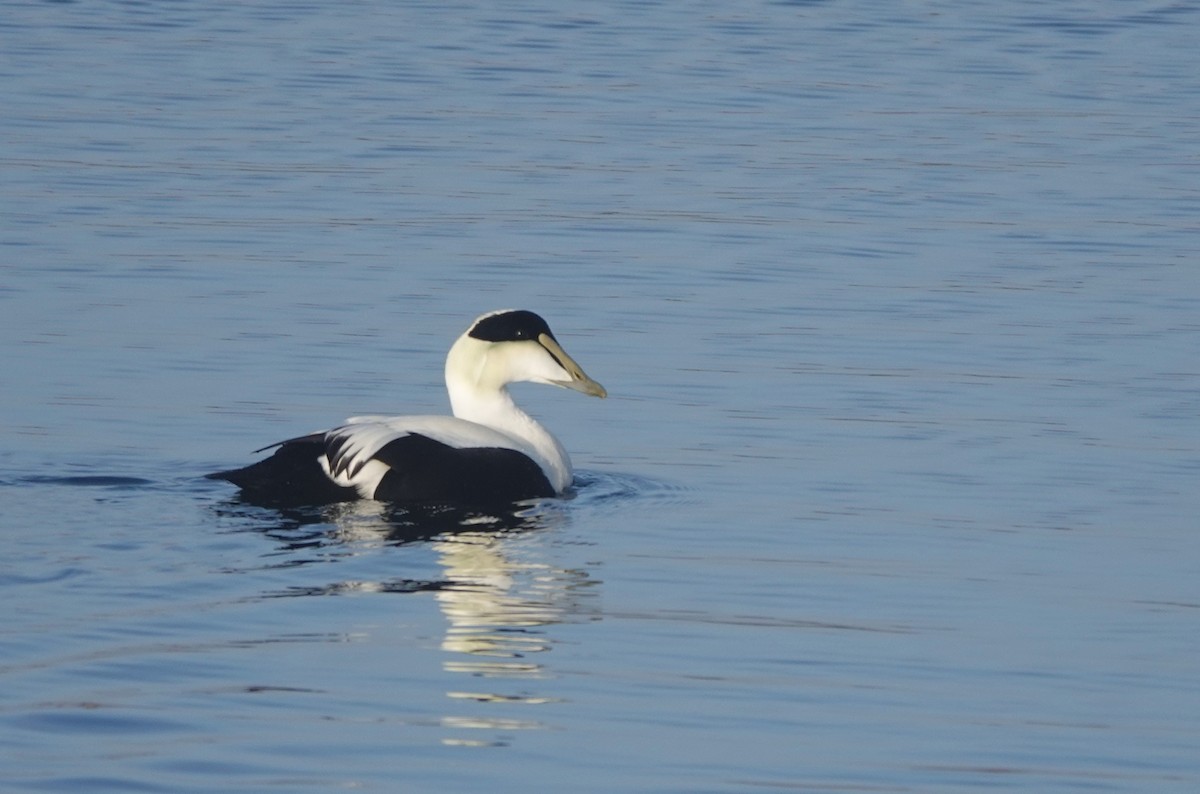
<point>897,307</point>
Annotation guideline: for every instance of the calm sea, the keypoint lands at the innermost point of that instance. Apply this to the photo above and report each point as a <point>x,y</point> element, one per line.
<point>898,305</point>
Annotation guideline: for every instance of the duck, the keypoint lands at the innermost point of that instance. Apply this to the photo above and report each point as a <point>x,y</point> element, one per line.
<point>488,452</point>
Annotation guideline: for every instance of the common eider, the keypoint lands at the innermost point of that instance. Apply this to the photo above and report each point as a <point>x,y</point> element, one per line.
<point>488,452</point>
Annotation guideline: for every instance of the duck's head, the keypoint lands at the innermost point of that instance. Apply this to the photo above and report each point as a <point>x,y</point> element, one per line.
<point>509,346</point>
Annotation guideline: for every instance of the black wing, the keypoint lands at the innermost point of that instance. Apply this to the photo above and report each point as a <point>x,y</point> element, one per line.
<point>291,477</point>
<point>422,469</point>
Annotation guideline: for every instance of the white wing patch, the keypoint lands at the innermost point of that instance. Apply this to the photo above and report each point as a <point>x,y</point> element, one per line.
<point>350,449</point>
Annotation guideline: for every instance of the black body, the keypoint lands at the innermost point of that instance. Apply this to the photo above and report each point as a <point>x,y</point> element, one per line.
<point>421,471</point>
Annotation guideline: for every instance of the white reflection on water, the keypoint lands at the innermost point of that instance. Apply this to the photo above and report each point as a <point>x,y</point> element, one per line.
<point>495,603</point>
<point>498,606</point>
<point>499,592</point>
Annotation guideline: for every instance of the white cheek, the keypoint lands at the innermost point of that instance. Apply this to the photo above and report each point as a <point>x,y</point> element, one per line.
<point>528,361</point>
<point>546,369</point>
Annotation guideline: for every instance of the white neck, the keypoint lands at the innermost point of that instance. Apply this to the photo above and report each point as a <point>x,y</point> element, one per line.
<point>492,406</point>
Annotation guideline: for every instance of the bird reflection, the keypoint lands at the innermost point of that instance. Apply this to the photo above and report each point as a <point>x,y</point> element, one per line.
<point>497,592</point>
<point>377,523</point>
<point>499,602</point>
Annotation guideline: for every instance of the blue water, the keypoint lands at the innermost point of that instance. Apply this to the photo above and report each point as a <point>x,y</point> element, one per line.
<point>898,306</point>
